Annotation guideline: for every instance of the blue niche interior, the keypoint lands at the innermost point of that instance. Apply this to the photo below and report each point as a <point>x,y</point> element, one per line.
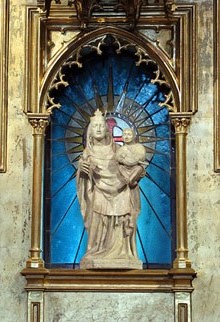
<point>125,92</point>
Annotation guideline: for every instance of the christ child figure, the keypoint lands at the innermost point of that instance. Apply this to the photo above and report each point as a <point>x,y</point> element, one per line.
<point>131,158</point>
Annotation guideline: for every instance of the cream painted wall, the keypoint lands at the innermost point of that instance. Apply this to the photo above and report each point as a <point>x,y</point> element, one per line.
<point>15,184</point>
<point>203,183</point>
<point>203,205</point>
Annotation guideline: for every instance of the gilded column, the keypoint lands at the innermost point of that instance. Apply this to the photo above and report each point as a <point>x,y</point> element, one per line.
<point>39,125</point>
<point>181,125</point>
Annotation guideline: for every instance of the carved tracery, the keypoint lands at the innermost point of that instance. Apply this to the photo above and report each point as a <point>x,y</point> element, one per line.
<point>120,46</point>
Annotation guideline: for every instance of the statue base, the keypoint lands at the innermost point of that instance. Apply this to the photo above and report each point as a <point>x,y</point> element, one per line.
<point>95,263</point>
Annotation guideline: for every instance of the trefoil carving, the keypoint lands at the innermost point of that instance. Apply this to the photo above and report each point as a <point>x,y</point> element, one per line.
<point>120,45</point>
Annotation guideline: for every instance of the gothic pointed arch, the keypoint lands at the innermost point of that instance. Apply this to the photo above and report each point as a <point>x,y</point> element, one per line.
<point>93,41</point>
<point>127,79</point>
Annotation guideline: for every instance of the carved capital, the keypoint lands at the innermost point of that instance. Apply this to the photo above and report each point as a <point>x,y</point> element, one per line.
<point>39,125</point>
<point>181,124</point>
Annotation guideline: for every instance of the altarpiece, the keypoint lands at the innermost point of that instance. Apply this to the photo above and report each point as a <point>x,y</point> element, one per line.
<point>155,42</point>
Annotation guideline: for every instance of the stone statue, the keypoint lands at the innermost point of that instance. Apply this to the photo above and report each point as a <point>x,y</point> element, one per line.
<point>108,201</point>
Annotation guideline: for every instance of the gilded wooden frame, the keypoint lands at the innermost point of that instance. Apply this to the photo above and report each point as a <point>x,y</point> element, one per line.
<point>216,31</point>
<point>41,72</point>
<point>4,26</point>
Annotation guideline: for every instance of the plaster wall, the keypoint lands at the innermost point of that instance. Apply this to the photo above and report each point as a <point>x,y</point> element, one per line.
<point>203,206</point>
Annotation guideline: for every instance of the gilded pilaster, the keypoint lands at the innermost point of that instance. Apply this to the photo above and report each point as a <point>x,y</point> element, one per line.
<point>181,126</point>
<point>183,307</point>
<point>39,125</point>
<point>35,306</point>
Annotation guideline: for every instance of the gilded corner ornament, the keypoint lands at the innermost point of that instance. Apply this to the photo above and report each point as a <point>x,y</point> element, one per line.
<point>170,6</point>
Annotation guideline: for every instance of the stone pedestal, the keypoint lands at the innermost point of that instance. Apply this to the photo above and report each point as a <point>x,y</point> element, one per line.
<point>100,263</point>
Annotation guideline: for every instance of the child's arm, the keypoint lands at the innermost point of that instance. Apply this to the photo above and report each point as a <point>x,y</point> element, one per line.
<point>137,174</point>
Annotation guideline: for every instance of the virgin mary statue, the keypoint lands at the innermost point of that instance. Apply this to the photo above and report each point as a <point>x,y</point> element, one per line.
<point>106,203</point>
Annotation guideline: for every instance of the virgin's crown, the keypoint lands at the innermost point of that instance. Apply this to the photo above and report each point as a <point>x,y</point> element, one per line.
<point>97,116</point>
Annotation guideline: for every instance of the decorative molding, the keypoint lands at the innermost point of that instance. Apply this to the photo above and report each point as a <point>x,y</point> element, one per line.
<point>175,280</point>
<point>170,6</point>
<point>130,10</point>
<point>42,69</point>
<point>4,43</point>
<point>216,30</point>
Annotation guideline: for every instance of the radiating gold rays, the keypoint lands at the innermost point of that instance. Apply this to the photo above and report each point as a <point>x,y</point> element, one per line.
<point>120,106</point>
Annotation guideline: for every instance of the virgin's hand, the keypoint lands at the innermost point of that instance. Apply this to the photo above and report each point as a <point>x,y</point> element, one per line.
<point>133,184</point>
<point>85,167</point>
